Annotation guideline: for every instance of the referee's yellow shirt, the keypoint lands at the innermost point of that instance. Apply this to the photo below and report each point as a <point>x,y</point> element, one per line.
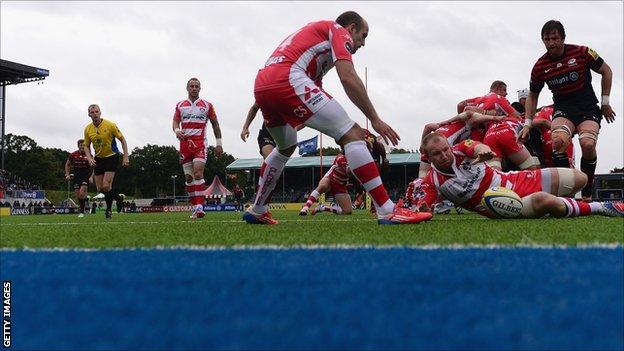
<point>103,138</point>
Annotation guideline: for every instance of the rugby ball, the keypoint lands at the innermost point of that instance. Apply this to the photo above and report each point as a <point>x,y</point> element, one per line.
<point>502,202</point>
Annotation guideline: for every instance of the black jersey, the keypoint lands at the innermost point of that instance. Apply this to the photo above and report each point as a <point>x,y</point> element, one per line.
<point>567,76</point>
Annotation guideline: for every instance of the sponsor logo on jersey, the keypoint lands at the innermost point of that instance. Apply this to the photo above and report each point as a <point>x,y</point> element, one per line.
<point>300,111</point>
<point>348,46</point>
<point>571,62</point>
<point>574,76</point>
<point>274,60</point>
<point>558,81</point>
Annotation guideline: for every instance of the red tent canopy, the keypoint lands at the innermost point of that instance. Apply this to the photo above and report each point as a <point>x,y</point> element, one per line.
<point>216,189</point>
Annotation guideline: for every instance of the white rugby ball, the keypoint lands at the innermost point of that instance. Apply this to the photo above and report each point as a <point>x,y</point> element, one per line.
<point>502,202</point>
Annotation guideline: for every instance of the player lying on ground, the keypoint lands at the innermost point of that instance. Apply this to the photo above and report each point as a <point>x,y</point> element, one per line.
<point>466,125</point>
<point>334,182</point>
<point>459,174</point>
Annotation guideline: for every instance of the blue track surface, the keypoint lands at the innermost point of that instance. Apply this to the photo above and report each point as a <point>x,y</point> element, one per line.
<point>307,299</point>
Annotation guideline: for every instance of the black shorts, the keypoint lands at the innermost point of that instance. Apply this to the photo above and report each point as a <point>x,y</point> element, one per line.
<point>106,164</point>
<point>81,177</point>
<point>265,138</point>
<point>578,113</point>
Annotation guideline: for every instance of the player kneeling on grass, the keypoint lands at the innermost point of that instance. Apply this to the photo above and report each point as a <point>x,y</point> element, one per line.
<point>333,182</point>
<point>459,174</point>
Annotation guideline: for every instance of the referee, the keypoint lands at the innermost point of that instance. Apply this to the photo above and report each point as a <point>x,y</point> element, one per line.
<point>102,134</point>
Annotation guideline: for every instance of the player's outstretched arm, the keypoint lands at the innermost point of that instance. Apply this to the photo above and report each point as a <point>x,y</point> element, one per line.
<point>605,82</point>
<point>217,133</point>
<point>531,107</point>
<point>124,146</point>
<point>356,92</point>
<point>253,110</point>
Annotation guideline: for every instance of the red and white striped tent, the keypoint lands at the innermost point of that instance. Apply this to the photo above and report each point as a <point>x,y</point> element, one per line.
<point>217,190</point>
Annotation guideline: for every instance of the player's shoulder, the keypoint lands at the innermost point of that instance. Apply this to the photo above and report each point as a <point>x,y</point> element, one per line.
<point>203,103</point>
<point>183,103</point>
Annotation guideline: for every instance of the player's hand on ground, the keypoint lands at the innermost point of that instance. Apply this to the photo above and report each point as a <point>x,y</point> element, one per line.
<point>218,150</point>
<point>483,156</point>
<point>386,132</point>
<point>608,113</point>
<point>524,134</point>
<point>125,161</point>
<point>244,134</point>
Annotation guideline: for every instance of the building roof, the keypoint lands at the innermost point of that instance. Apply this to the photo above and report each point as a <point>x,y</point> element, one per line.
<point>15,73</point>
<point>315,161</point>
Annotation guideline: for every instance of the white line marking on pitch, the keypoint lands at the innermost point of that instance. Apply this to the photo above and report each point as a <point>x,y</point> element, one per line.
<point>219,221</point>
<point>609,246</point>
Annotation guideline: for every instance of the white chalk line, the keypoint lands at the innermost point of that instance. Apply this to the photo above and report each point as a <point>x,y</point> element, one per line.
<point>606,246</point>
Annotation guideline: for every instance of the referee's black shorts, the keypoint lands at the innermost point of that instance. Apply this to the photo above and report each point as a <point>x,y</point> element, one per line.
<point>106,164</point>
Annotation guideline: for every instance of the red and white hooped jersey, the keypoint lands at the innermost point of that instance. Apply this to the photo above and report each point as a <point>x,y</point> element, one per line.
<point>308,53</point>
<point>466,185</point>
<point>493,101</point>
<point>193,117</point>
<point>339,171</point>
<point>468,182</point>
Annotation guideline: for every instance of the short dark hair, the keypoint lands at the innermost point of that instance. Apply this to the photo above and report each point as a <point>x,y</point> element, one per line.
<point>80,141</point>
<point>553,25</point>
<point>497,84</point>
<point>192,79</point>
<point>349,17</point>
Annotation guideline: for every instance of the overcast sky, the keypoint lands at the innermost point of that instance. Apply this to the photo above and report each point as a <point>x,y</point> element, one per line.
<point>134,58</point>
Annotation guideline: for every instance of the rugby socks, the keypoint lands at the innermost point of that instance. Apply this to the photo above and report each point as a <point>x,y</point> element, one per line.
<point>108,198</point>
<point>314,195</point>
<point>577,208</point>
<point>363,167</point>
<point>560,159</point>
<point>196,191</point>
<point>82,204</point>
<point>334,209</point>
<point>270,172</point>
<point>589,168</point>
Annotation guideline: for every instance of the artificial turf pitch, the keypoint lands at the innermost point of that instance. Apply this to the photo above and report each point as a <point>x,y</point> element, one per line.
<point>134,230</point>
<point>162,281</point>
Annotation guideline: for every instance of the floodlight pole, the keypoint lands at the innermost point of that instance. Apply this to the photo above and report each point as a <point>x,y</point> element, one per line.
<point>2,120</point>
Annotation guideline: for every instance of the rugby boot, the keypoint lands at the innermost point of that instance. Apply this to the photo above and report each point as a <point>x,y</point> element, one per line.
<point>613,209</point>
<point>404,216</point>
<point>317,209</point>
<point>304,211</point>
<point>253,218</point>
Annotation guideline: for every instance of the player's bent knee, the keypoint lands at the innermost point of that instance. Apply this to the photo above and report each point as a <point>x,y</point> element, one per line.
<point>569,181</point>
<point>495,163</point>
<point>561,138</point>
<point>528,163</point>
<point>580,179</point>
<point>527,206</point>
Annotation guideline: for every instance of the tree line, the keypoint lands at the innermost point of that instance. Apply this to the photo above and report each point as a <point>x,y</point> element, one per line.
<point>149,174</point>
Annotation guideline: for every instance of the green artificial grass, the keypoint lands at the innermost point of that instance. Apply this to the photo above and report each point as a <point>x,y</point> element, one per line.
<point>134,230</point>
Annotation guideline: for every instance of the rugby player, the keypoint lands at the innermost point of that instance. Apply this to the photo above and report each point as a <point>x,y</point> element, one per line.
<point>566,69</point>
<point>189,125</point>
<point>82,174</point>
<point>288,91</point>
<point>460,175</point>
<point>334,182</point>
